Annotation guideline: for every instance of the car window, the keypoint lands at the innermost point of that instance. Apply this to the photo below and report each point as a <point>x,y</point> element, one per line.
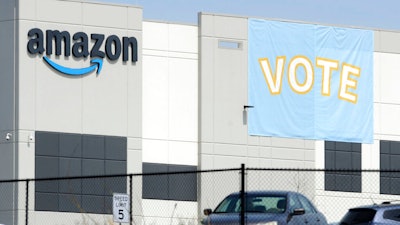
<point>358,217</point>
<point>229,204</point>
<point>393,214</point>
<point>294,202</point>
<point>265,203</point>
<point>308,207</point>
<point>257,203</point>
<point>273,204</point>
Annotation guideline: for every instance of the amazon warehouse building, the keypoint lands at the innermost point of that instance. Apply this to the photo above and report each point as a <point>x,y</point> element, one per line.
<point>93,89</point>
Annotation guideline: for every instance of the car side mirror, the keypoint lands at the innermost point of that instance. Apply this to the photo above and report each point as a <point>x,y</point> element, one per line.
<point>207,212</point>
<point>295,212</point>
<point>299,211</point>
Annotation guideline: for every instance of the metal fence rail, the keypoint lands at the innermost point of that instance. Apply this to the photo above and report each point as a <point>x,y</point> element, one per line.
<point>155,199</point>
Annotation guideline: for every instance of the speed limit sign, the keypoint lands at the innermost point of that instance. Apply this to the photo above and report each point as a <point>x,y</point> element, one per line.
<point>121,206</point>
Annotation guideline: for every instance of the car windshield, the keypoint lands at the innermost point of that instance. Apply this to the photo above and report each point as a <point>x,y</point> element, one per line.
<point>260,203</point>
<point>358,217</point>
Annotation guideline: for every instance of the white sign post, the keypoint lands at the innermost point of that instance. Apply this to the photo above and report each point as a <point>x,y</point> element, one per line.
<point>121,206</point>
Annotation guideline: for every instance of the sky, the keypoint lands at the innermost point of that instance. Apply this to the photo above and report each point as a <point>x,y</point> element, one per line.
<point>377,14</point>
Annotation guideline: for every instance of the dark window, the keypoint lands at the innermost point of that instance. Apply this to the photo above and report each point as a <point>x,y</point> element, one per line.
<point>393,214</point>
<point>389,163</point>
<point>76,155</point>
<point>358,216</point>
<point>342,156</point>
<point>163,183</point>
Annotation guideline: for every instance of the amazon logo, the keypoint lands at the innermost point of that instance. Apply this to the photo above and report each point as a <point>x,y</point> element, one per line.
<point>79,45</point>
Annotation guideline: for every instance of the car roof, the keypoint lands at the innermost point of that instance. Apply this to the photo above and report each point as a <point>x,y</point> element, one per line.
<point>385,205</point>
<point>271,192</point>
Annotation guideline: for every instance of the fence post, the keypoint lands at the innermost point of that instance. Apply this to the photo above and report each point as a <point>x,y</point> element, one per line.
<point>242,196</point>
<point>26,202</point>
<point>130,200</point>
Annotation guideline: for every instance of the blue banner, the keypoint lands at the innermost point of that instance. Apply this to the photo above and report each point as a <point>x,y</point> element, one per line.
<point>310,81</point>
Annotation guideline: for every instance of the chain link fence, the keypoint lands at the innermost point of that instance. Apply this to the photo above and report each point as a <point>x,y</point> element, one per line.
<point>178,198</point>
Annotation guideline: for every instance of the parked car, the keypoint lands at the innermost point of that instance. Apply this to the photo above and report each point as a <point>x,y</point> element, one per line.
<point>385,213</point>
<point>265,208</point>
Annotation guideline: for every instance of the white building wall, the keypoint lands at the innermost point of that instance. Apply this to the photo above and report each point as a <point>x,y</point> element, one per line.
<point>8,101</point>
<point>170,110</point>
<point>8,77</point>
<point>223,138</point>
<point>170,93</point>
<point>222,145</point>
<point>386,127</point>
<point>184,107</point>
<point>94,104</point>
<point>104,104</point>
<point>387,101</point>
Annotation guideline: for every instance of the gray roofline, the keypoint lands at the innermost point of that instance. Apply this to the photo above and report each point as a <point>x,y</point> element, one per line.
<point>298,21</point>
<point>105,3</point>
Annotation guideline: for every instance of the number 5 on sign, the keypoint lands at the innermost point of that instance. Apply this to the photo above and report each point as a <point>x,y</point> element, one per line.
<point>121,206</point>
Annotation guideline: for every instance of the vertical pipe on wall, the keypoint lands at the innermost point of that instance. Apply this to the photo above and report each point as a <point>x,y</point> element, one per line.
<point>130,201</point>
<point>15,111</point>
<point>26,202</point>
<point>242,195</point>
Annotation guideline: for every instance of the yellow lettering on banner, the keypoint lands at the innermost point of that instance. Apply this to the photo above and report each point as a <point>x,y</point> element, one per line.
<point>348,76</point>
<point>274,82</point>
<point>305,87</point>
<point>327,65</point>
<point>347,82</point>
